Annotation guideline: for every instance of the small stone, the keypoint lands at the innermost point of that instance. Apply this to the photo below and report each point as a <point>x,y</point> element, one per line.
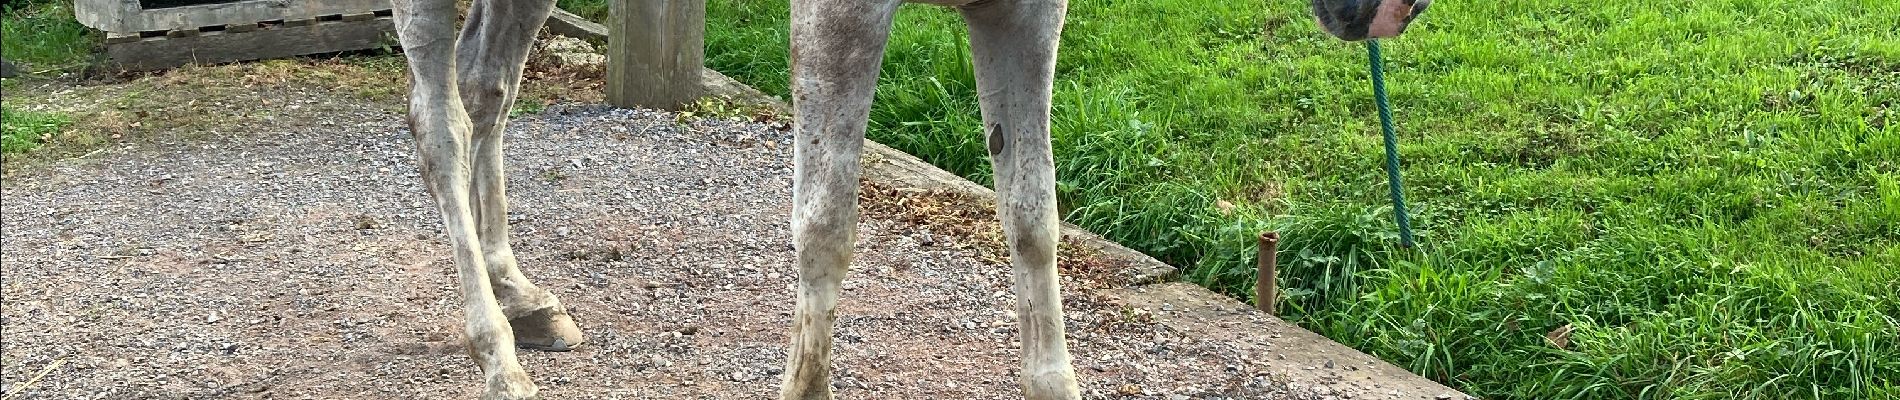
<point>1130,389</point>
<point>563,44</point>
<point>579,59</point>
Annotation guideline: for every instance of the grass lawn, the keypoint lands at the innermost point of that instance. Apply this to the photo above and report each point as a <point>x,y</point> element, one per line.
<point>1617,199</point>
<point>43,35</point>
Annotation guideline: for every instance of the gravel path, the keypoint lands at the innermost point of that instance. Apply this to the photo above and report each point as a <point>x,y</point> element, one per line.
<point>307,262</point>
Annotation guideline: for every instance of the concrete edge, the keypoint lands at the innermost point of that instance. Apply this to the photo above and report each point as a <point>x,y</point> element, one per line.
<point>1304,359</point>
<point>564,23</point>
<point>1313,365</point>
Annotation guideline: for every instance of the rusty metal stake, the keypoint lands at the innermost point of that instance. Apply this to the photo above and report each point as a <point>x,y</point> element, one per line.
<point>1266,284</point>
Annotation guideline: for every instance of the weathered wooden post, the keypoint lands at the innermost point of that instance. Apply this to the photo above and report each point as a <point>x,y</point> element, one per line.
<point>655,49</point>
<point>1266,284</point>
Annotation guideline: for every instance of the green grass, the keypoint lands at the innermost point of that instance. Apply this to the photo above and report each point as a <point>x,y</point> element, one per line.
<point>21,131</point>
<point>1706,193</point>
<point>43,35</point>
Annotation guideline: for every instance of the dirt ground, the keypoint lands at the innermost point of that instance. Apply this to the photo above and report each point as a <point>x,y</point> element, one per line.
<point>302,259</point>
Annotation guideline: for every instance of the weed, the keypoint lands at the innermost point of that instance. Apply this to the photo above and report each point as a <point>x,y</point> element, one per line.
<point>21,131</point>
<point>526,106</point>
<point>553,175</point>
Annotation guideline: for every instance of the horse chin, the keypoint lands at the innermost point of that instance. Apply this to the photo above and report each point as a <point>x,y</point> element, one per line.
<point>1393,16</point>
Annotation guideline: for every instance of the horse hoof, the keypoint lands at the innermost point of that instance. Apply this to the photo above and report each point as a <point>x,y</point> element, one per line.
<point>547,329</point>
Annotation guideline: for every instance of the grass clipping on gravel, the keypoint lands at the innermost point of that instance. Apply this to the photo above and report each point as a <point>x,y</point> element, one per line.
<point>48,118</point>
<point>197,101</point>
<point>960,221</point>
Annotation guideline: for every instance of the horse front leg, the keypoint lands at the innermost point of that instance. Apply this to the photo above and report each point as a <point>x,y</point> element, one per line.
<point>441,128</point>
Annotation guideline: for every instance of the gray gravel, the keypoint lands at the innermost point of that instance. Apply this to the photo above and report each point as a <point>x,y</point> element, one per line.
<point>308,262</point>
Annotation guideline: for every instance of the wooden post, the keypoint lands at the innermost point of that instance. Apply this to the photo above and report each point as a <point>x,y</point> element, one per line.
<point>1266,284</point>
<point>655,49</point>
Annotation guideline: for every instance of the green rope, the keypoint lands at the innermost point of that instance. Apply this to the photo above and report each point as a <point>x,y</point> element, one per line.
<point>1391,144</point>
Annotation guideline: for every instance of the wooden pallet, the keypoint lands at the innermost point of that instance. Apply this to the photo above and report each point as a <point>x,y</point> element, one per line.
<point>155,50</point>
<point>133,16</point>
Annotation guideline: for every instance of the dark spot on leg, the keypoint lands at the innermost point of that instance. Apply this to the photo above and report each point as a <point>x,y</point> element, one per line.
<point>996,139</point>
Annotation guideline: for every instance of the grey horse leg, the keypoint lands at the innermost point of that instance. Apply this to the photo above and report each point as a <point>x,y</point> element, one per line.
<point>836,48</point>
<point>494,49</point>
<point>1013,44</point>
<point>441,127</point>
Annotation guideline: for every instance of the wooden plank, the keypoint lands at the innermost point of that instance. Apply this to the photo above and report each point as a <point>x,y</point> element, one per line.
<point>276,42</point>
<point>655,51</point>
<point>113,38</point>
<point>127,16</point>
